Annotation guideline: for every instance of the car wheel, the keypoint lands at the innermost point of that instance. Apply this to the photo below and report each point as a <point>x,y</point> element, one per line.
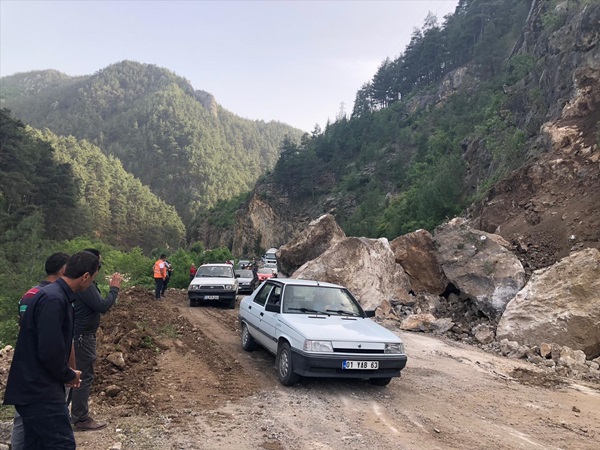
<point>248,342</point>
<point>192,302</point>
<point>231,304</point>
<point>285,367</point>
<point>380,381</point>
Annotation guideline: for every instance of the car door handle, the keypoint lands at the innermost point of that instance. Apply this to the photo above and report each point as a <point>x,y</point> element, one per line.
<point>262,314</point>
<point>249,306</point>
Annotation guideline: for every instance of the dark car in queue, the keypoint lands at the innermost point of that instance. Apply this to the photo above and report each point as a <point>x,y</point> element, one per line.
<point>246,281</point>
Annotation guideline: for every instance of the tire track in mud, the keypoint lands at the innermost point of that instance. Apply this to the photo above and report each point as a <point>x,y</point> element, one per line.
<point>215,338</point>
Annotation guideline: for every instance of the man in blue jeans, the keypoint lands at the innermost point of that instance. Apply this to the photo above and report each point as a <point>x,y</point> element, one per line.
<point>40,367</point>
<point>89,306</point>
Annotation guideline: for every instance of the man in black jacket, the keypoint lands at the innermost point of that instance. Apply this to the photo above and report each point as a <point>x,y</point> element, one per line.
<point>55,268</point>
<point>40,367</point>
<point>89,306</point>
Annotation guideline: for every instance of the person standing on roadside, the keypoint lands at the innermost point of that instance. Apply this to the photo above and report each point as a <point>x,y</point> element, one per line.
<point>160,274</point>
<point>168,278</point>
<point>55,268</point>
<point>89,306</point>
<point>192,272</point>
<point>40,368</point>
<point>255,275</point>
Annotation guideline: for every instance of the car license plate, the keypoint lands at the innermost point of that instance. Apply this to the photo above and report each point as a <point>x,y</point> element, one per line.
<point>211,297</point>
<point>360,365</point>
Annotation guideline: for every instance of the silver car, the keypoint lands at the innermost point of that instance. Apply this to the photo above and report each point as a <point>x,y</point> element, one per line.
<point>318,329</point>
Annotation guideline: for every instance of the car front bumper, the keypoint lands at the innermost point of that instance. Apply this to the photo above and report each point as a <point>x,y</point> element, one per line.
<point>245,288</point>
<point>222,296</point>
<point>330,365</point>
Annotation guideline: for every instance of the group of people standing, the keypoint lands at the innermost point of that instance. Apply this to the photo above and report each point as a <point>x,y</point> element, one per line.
<point>53,362</point>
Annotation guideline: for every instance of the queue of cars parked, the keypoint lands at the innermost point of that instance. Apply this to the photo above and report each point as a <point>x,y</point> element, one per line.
<point>314,328</point>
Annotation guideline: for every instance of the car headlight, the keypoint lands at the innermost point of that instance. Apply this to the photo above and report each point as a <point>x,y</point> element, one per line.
<point>318,346</point>
<point>394,348</point>
<point>229,287</point>
<point>192,287</point>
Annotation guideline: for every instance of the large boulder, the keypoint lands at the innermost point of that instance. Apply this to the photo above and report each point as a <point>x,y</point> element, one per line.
<point>480,265</point>
<point>320,235</point>
<point>559,304</point>
<point>416,254</point>
<point>367,267</point>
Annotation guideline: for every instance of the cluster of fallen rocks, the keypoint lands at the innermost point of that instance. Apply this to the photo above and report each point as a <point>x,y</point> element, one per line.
<point>462,321</point>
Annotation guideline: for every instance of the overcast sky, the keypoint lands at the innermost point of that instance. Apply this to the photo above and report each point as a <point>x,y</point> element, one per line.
<point>291,61</point>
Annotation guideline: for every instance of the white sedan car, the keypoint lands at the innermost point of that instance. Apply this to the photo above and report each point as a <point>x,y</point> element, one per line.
<point>318,329</point>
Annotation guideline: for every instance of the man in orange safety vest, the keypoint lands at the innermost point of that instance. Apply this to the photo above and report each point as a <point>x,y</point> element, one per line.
<point>160,274</point>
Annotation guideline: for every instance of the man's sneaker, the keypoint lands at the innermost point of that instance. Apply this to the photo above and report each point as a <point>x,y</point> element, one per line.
<point>89,425</point>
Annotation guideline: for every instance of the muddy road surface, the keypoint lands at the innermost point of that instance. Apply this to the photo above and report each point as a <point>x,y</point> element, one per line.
<point>199,390</point>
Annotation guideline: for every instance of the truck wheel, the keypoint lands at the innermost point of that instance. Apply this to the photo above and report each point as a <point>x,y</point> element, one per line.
<point>231,304</point>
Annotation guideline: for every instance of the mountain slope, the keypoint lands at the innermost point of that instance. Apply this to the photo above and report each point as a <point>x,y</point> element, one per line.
<point>417,161</point>
<point>70,188</point>
<point>190,151</point>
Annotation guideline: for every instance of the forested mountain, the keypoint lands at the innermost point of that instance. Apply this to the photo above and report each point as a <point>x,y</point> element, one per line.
<point>57,188</point>
<point>178,141</point>
<point>467,103</point>
<point>62,194</point>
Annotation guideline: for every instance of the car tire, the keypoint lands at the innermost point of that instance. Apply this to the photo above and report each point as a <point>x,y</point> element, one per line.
<point>380,381</point>
<point>285,367</point>
<point>248,342</point>
<point>231,304</point>
<point>192,303</point>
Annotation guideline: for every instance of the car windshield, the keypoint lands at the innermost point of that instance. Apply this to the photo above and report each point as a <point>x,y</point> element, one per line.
<point>244,273</point>
<point>265,271</point>
<point>214,271</point>
<point>319,299</point>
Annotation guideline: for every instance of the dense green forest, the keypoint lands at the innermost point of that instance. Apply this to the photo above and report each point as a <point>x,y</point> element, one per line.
<point>56,191</point>
<point>60,194</point>
<point>400,161</point>
<point>189,150</point>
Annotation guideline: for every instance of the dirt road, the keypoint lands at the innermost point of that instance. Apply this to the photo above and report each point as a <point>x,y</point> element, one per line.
<point>205,392</point>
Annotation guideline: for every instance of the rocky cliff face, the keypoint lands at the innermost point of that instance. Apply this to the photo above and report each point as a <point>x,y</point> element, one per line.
<point>550,206</point>
<point>268,219</point>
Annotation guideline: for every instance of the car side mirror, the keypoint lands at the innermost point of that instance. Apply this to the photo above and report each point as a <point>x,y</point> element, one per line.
<point>370,313</point>
<point>270,307</point>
